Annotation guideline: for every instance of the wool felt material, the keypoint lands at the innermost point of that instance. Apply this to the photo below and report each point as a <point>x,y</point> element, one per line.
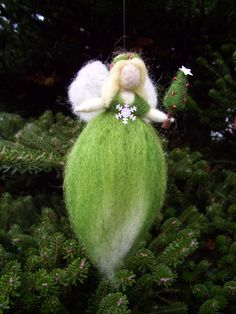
<point>113,85</point>
<point>115,181</point>
<point>176,96</point>
<point>88,81</point>
<point>93,78</point>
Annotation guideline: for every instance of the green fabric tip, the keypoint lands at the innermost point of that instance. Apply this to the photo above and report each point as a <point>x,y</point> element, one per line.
<point>176,96</point>
<point>115,181</point>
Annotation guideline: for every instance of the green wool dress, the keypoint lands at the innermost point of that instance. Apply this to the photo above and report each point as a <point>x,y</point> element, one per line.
<point>115,181</point>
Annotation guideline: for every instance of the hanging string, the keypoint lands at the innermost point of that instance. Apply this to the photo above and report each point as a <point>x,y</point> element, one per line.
<point>124,35</point>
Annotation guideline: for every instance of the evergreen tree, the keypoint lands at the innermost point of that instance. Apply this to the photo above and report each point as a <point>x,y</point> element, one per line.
<point>186,263</point>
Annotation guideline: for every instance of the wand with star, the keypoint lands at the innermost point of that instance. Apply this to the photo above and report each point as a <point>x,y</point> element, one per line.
<point>176,96</point>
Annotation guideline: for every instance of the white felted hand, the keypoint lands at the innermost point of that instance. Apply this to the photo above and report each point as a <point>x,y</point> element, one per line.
<point>85,90</point>
<point>157,116</point>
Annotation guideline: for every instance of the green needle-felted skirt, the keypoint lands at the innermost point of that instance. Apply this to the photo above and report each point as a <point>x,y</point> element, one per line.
<point>114,185</point>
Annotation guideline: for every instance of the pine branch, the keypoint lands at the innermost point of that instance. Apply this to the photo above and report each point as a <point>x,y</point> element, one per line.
<point>176,251</point>
<point>16,157</point>
<point>40,145</point>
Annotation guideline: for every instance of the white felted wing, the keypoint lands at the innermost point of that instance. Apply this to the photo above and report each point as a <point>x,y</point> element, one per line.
<point>86,86</point>
<point>151,93</point>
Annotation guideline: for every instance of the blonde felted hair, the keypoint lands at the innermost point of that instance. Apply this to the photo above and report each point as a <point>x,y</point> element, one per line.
<point>112,85</point>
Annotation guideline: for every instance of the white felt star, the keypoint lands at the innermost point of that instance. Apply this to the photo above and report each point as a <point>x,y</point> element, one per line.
<point>185,70</point>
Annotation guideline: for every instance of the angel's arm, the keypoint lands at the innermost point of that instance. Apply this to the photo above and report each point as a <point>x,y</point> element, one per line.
<point>90,105</point>
<point>157,116</point>
<point>153,114</point>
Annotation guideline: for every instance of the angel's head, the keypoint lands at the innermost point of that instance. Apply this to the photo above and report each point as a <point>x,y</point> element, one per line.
<point>130,76</point>
<point>127,72</point>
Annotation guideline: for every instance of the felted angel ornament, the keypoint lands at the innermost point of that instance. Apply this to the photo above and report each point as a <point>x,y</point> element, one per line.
<point>115,176</point>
